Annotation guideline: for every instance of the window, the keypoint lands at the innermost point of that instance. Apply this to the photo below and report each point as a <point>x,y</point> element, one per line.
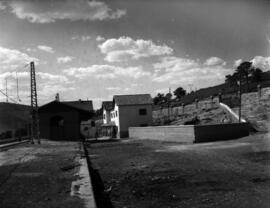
<point>142,111</point>
<point>115,113</point>
<point>93,124</point>
<point>104,116</point>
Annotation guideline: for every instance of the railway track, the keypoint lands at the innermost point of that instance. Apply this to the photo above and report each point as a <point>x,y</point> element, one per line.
<point>6,144</point>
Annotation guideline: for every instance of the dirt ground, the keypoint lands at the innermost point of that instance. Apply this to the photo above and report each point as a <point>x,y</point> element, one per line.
<point>39,176</point>
<point>152,174</point>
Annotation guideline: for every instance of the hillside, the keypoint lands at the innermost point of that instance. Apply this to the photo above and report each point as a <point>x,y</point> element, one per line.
<point>13,116</point>
<point>255,109</point>
<point>206,113</point>
<point>224,88</point>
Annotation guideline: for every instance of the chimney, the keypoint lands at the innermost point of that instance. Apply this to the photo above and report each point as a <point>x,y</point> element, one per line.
<point>57,97</point>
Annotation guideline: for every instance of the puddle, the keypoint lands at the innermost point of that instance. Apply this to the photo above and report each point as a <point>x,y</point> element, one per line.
<point>82,187</point>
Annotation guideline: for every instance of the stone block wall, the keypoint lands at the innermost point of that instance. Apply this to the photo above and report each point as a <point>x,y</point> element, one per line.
<point>256,109</point>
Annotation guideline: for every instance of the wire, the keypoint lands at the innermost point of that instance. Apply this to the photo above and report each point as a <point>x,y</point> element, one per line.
<point>9,97</point>
<point>23,67</point>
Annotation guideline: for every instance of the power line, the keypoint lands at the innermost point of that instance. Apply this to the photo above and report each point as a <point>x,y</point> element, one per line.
<point>6,93</point>
<point>8,97</point>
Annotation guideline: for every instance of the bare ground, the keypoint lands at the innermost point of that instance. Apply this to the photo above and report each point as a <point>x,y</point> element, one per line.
<point>39,176</point>
<point>139,173</point>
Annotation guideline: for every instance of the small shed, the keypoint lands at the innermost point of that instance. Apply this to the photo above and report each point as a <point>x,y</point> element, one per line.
<point>61,120</point>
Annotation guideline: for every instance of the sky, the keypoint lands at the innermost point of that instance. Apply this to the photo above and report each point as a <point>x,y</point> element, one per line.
<point>93,50</point>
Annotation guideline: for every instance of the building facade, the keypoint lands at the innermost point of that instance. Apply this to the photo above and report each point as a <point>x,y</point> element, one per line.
<point>62,120</point>
<point>129,111</point>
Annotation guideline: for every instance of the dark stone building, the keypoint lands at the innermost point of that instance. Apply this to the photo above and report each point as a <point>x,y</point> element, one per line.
<point>62,120</point>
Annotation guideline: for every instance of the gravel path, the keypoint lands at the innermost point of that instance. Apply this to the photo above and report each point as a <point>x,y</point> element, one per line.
<point>39,176</point>
<point>158,174</point>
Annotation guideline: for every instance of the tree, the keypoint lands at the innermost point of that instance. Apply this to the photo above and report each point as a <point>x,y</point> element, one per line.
<point>243,70</point>
<point>256,74</point>
<point>231,79</point>
<point>168,96</point>
<point>179,92</point>
<point>160,98</point>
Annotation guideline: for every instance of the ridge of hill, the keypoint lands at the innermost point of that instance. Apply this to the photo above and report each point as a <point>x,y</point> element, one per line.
<point>13,116</point>
<point>224,89</point>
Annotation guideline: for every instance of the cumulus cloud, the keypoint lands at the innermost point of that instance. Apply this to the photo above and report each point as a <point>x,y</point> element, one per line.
<point>118,89</point>
<point>53,78</point>
<point>125,48</point>
<point>171,63</point>
<point>10,59</point>
<point>2,6</point>
<point>100,38</point>
<point>184,71</point>
<point>212,61</point>
<point>106,72</point>
<point>41,11</point>
<point>113,88</point>
<point>261,62</point>
<point>45,48</point>
<point>64,59</point>
<point>258,61</point>
<point>237,63</point>
<point>82,38</point>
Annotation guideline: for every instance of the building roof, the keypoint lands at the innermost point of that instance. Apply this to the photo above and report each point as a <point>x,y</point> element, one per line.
<point>71,105</point>
<point>107,105</point>
<point>85,105</point>
<point>137,99</point>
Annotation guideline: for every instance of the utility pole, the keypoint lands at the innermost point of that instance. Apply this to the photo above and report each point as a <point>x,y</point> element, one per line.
<point>17,82</point>
<point>6,90</point>
<point>168,100</point>
<point>240,99</point>
<point>34,105</point>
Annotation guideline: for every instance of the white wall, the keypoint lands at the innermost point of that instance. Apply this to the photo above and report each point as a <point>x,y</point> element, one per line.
<point>182,134</point>
<point>115,119</point>
<point>130,117</point>
<point>107,118</point>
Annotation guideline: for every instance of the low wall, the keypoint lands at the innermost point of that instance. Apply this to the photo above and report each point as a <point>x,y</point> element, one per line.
<point>183,134</point>
<point>207,133</point>
<point>191,133</point>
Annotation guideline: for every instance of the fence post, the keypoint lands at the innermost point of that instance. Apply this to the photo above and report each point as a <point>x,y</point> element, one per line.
<point>183,107</point>
<point>259,89</point>
<point>220,97</point>
<point>196,103</point>
<point>212,101</point>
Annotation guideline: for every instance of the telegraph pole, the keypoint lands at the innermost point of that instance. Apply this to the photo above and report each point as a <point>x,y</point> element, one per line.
<point>240,99</point>
<point>34,105</point>
<point>168,100</point>
<point>17,82</point>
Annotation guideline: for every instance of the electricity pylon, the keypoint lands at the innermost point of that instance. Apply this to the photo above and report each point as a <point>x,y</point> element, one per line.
<point>34,105</point>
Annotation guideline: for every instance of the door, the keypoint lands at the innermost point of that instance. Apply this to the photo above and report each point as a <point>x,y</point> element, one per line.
<point>57,128</point>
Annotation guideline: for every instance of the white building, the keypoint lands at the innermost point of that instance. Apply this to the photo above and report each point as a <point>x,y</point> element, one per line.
<point>128,111</point>
<point>107,106</point>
